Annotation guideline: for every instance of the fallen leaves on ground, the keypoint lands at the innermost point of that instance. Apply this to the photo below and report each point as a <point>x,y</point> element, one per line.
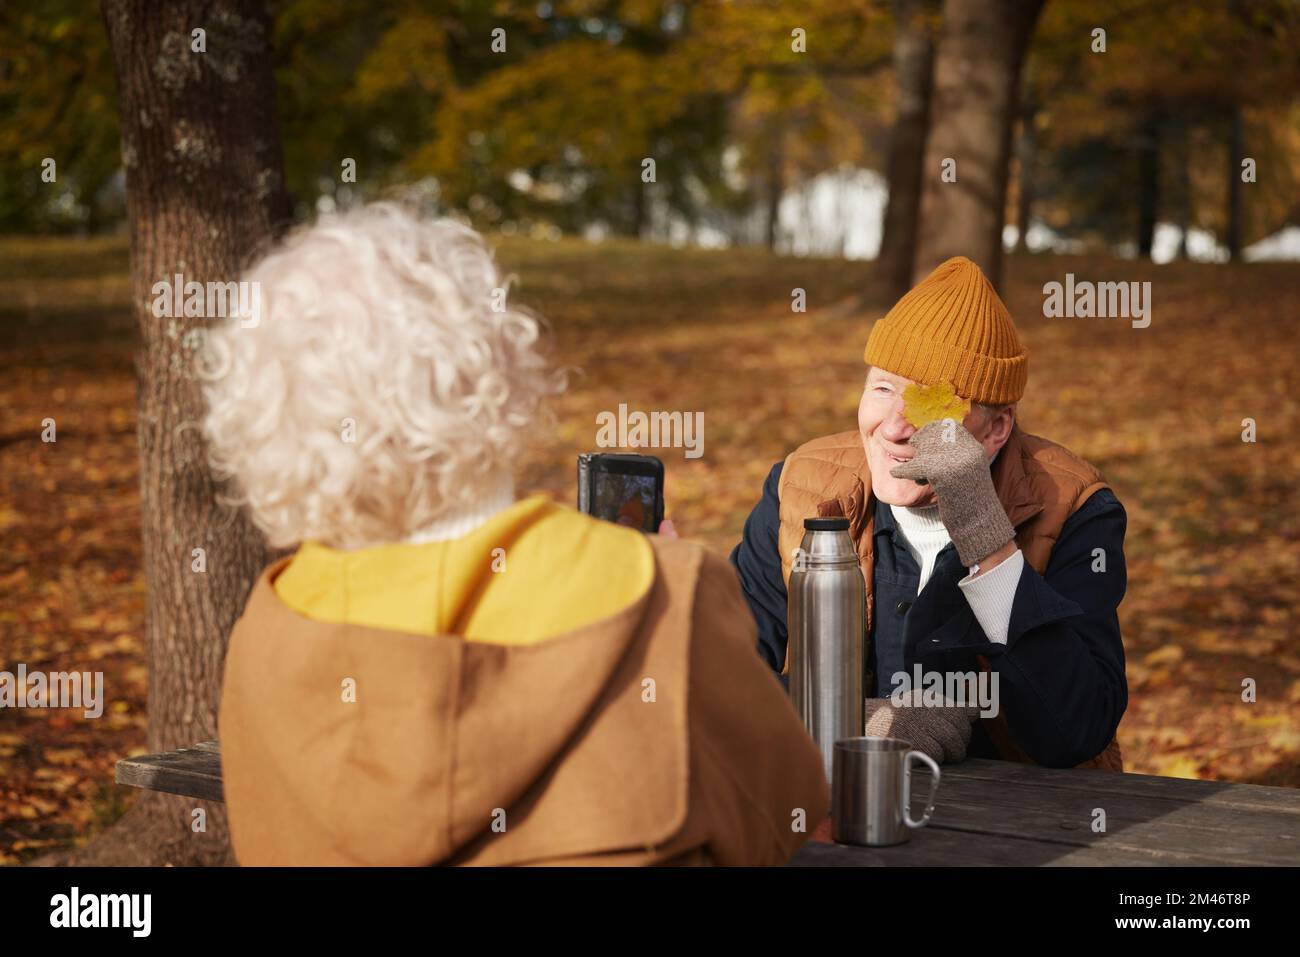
<point>1213,542</point>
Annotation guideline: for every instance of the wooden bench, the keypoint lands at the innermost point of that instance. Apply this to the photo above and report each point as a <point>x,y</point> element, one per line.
<point>988,812</point>
<point>193,772</point>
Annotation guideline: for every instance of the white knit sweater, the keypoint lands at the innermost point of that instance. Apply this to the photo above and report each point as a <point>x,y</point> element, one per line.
<point>990,594</point>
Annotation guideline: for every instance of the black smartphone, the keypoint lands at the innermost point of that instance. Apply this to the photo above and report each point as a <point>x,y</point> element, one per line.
<point>624,489</point>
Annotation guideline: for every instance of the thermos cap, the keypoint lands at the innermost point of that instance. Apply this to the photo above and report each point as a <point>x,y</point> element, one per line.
<point>826,524</point>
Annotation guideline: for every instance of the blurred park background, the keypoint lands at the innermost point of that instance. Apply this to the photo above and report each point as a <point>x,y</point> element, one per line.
<point>794,146</point>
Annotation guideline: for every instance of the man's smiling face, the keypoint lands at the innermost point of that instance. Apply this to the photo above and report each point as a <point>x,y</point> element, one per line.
<point>885,433</point>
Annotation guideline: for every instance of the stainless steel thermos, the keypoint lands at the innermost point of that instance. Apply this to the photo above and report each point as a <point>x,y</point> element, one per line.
<point>827,634</point>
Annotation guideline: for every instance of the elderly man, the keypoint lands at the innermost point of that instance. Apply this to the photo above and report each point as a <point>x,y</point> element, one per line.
<point>984,548</point>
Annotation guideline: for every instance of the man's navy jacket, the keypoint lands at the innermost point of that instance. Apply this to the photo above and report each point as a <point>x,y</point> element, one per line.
<point>1060,673</point>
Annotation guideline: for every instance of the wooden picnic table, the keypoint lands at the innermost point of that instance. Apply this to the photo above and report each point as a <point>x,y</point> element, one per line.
<point>987,813</point>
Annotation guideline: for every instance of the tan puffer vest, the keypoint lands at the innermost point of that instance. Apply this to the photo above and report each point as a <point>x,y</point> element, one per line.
<point>1040,484</point>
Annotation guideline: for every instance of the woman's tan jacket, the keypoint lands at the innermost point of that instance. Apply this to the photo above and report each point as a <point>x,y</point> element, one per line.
<point>657,735</point>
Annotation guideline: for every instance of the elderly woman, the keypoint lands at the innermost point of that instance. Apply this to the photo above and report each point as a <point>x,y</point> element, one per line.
<point>443,672</point>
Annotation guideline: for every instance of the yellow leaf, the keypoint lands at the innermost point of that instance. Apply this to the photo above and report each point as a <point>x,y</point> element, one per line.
<point>64,755</point>
<point>1267,721</point>
<point>1285,739</point>
<point>1180,766</point>
<point>1165,655</point>
<point>933,403</point>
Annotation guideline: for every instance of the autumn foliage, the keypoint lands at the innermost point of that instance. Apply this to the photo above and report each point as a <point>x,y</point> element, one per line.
<point>1213,541</point>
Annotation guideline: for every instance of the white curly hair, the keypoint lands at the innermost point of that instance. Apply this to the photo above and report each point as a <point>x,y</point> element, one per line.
<point>389,328</point>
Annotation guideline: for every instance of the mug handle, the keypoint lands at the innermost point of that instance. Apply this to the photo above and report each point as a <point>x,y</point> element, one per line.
<point>907,789</point>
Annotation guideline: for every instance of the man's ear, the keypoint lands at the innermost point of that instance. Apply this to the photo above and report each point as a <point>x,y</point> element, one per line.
<point>1000,426</point>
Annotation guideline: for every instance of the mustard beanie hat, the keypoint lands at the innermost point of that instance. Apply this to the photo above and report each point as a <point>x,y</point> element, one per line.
<point>953,327</point>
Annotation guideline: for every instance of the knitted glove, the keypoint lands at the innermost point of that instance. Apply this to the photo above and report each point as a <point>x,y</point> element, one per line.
<point>940,732</point>
<point>953,461</point>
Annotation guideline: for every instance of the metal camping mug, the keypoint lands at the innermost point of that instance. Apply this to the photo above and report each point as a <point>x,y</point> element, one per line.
<point>871,791</point>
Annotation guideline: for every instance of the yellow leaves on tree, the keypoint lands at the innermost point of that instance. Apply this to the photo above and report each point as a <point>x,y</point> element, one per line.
<point>923,404</point>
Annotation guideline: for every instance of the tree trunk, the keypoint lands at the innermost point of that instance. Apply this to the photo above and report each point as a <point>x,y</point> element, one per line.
<point>639,204</point>
<point>1148,184</point>
<point>205,191</point>
<point>981,48</point>
<point>913,75</point>
<point>775,190</point>
<point>1236,147</point>
<point>1184,188</point>
<point>1026,152</point>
